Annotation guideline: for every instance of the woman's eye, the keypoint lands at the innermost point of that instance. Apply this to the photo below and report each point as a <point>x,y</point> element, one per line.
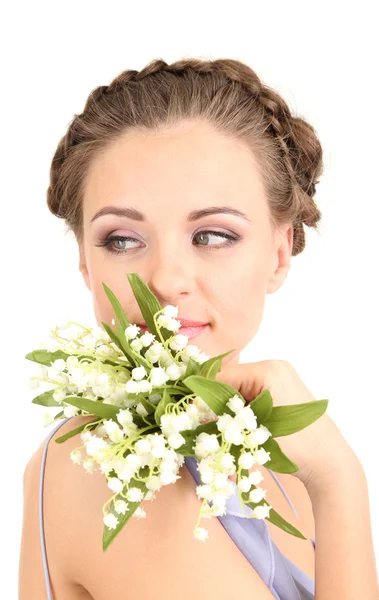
<point>203,236</point>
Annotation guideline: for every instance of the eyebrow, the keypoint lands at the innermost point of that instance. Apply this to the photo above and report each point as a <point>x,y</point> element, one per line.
<point>194,215</point>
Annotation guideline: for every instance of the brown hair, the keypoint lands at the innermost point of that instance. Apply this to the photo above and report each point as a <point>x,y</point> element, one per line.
<point>227,94</point>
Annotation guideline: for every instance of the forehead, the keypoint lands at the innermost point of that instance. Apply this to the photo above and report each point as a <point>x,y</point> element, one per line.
<point>183,167</point>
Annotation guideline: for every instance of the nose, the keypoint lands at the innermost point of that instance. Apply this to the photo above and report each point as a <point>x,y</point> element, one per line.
<point>170,275</point>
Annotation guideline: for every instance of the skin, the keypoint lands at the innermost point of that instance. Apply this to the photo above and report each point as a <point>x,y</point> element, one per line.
<point>165,176</point>
<point>226,287</point>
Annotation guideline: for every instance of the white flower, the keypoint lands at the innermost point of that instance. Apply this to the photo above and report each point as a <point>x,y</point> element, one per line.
<point>142,446</point>
<point>76,456</point>
<point>174,372</point>
<point>114,431</point>
<point>59,365</point>
<point>223,421</point>
<point>201,358</point>
<point>121,506</point>
<point>141,410</point>
<point>246,460</point>
<point>168,425</point>
<point>220,480</point>
<point>95,446</point>
<point>136,345</point>
<point>154,483</point>
<point>70,411</point>
<point>246,418</point>
<point>110,521</point>
<point>244,484</point>
<point>165,359</point>
<point>115,484</point>
<point>176,440</point>
<point>233,434</point>
<point>182,421</point>
<point>178,342</point>
<point>147,338</point>
<point>201,534</point>
<point>144,386</point>
<point>259,436</point>
<point>125,417</point>
<point>158,376</point>
<point>158,445</point>
<point>262,512</point>
<point>261,456</point>
<point>228,462</point>
<point>86,435</point>
<point>90,465</point>
<point>170,311</point>
<point>132,331</point>
<point>235,404</point>
<point>257,495</point>
<point>194,414</point>
<point>134,494</point>
<point>163,320</point>
<point>139,513</point>
<point>168,477</point>
<point>205,444</point>
<point>256,477</point>
<point>189,352</point>
<point>47,418</point>
<point>106,467</point>
<point>139,373</point>
<point>204,491</point>
<point>132,387</point>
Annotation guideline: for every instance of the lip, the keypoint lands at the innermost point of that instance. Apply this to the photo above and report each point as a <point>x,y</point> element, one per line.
<point>184,323</point>
<point>190,332</point>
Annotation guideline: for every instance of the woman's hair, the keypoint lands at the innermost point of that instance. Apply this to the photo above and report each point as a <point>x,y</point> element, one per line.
<point>225,93</point>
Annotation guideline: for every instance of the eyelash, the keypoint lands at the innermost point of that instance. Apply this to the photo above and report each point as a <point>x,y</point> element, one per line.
<point>231,240</point>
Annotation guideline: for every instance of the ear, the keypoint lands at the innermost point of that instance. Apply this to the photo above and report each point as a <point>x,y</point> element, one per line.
<point>83,267</point>
<point>282,252</point>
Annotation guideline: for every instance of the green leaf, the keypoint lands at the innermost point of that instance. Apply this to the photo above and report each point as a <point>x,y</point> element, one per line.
<point>262,406</point>
<point>278,462</point>
<point>110,534</point>
<point>45,357</point>
<point>215,393</point>
<point>73,432</point>
<point>193,368</point>
<point>161,406</point>
<point>121,342</point>
<point>285,420</point>
<point>149,406</point>
<point>212,366</point>
<point>46,399</point>
<point>105,411</point>
<point>276,519</point>
<point>119,311</point>
<point>148,304</point>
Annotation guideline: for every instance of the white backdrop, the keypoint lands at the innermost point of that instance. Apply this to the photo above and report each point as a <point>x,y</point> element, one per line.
<point>324,318</point>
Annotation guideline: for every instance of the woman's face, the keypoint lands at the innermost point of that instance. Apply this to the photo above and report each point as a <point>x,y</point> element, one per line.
<point>187,260</point>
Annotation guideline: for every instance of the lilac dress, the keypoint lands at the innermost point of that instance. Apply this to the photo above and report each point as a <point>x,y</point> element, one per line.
<point>282,577</point>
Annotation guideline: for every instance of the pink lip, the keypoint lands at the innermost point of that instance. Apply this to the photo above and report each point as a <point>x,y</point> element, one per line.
<point>184,323</point>
<point>190,332</point>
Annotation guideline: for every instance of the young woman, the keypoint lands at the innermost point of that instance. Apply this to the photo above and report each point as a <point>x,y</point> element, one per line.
<point>196,176</point>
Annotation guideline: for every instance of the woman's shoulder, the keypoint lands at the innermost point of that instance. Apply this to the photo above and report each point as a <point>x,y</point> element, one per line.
<point>156,556</point>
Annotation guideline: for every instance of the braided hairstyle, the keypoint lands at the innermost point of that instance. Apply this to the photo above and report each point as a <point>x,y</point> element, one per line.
<point>225,93</point>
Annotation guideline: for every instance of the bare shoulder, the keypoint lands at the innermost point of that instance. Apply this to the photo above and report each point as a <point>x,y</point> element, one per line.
<point>162,545</point>
<point>58,481</point>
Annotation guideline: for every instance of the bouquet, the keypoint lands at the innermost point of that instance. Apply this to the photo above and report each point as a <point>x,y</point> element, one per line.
<point>154,401</point>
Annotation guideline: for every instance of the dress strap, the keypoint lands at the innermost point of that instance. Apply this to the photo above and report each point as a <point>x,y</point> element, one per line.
<point>41,526</point>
